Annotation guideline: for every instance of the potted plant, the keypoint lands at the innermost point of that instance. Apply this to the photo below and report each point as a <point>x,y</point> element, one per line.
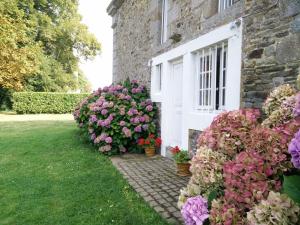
<point>150,144</point>
<point>182,159</point>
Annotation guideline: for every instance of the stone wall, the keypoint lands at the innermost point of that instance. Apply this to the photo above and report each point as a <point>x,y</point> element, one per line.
<point>271,38</point>
<point>271,47</point>
<point>193,141</point>
<point>132,41</point>
<point>136,26</point>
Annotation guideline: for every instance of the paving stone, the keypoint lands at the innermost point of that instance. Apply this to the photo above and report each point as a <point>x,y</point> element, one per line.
<point>156,181</point>
<point>158,209</point>
<point>172,221</point>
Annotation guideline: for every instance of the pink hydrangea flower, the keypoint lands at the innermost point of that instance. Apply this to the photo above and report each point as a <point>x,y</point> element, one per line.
<point>126,131</point>
<point>122,123</point>
<point>138,129</point>
<point>149,108</point>
<point>108,140</point>
<point>104,111</point>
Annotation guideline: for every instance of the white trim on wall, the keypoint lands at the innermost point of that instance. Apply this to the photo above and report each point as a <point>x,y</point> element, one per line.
<point>192,118</point>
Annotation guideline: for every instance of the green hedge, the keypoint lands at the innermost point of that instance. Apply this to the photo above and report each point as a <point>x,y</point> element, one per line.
<point>45,102</point>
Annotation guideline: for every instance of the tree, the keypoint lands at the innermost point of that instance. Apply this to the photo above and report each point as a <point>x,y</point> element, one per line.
<point>64,40</point>
<point>41,42</point>
<point>17,48</point>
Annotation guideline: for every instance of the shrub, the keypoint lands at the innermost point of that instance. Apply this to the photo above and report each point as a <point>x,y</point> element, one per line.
<point>294,150</point>
<point>82,111</point>
<point>277,97</point>
<point>116,117</point>
<point>240,164</point>
<point>228,130</point>
<point>277,209</point>
<point>195,211</point>
<point>248,180</point>
<point>45,102</point>
<point>207,170</point>
<point>282,114</point>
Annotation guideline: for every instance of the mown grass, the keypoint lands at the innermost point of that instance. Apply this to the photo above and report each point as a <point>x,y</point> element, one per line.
<point>48,175</point>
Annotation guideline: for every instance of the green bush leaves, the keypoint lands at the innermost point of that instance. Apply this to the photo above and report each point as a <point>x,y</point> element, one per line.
<point>45,102</point>
<point>291,187</point>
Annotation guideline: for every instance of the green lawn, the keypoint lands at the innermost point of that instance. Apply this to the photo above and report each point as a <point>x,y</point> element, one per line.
<point>48,175</point>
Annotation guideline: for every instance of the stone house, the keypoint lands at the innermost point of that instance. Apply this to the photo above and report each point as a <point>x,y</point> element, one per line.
<point>200,57</point>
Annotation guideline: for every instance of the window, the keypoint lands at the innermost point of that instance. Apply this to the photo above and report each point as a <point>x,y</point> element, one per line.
<point>224,4</point>
<point>211,70</point>
<point>164,20</point>
<point>158,77</point>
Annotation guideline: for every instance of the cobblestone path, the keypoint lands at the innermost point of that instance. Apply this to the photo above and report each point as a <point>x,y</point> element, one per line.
<point>155,180</point>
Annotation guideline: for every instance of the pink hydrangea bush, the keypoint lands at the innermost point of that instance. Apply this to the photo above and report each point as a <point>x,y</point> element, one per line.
<point>246,160</point>
<point>228,130</point>
<point>82,111</point>
<point>287,130</point>
<point>118,116</point>
<point>248,179</point>
<point>224,213</point>
<point>207,170</point>
<point>269,145</point>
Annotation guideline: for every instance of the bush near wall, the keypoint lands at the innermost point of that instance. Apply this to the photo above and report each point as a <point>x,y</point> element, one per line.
<point>45,102</point>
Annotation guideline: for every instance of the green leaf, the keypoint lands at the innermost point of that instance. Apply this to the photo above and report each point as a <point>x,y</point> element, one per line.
<point>212,195</point>
<point>291,187</point>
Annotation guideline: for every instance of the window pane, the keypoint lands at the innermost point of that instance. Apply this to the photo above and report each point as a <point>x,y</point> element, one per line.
<point>224,78</point>
<point>212,76</point>
<point>224,60</point>
<point>224,4</point>
<point>200,98</point>
<point>223,98</point>
<point>164,20</point>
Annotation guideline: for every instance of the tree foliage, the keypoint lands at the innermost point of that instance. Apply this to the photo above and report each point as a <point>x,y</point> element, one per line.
<point>47,40</point>
<point>17,49</point>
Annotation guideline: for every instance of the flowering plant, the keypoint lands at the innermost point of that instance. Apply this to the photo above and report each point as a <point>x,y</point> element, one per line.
<point>115,117</point>
<point>276,97</point>
<point>248,179</point>
<point>239,163</point>
<point>206,168</point>
<point>195,211</point>
<point>82,111</point>
<point>282,114</point>
<point>294,150</point>
<point>228,130</point>
<point>276,209</point>
<point>150,141</point>
<point>179,155</point>
<point>223,212</point>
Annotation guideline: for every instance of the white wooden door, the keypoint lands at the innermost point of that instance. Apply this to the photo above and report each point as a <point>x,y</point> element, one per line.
<point>175,103</point>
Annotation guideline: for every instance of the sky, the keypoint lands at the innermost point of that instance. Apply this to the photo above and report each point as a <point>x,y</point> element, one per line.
<point>98,71</point>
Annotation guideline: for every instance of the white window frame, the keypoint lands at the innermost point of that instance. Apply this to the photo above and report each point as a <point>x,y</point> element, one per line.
<point>164,21</point>
<point>206,77</point>
<point>156,82</point>
<point>192,118</point>
<point>225,4</point>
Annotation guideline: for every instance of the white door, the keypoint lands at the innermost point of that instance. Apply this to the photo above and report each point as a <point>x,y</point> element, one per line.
<point>175,104</point>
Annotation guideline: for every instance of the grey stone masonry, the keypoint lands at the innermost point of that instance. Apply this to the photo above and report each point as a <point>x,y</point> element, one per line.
<point>155,180</point>
<point>271,38</point>
<point>270,47</point>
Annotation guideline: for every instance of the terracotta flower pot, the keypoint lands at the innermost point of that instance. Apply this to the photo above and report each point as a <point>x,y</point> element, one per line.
<point>150,151</point>
<point>183,169</point>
